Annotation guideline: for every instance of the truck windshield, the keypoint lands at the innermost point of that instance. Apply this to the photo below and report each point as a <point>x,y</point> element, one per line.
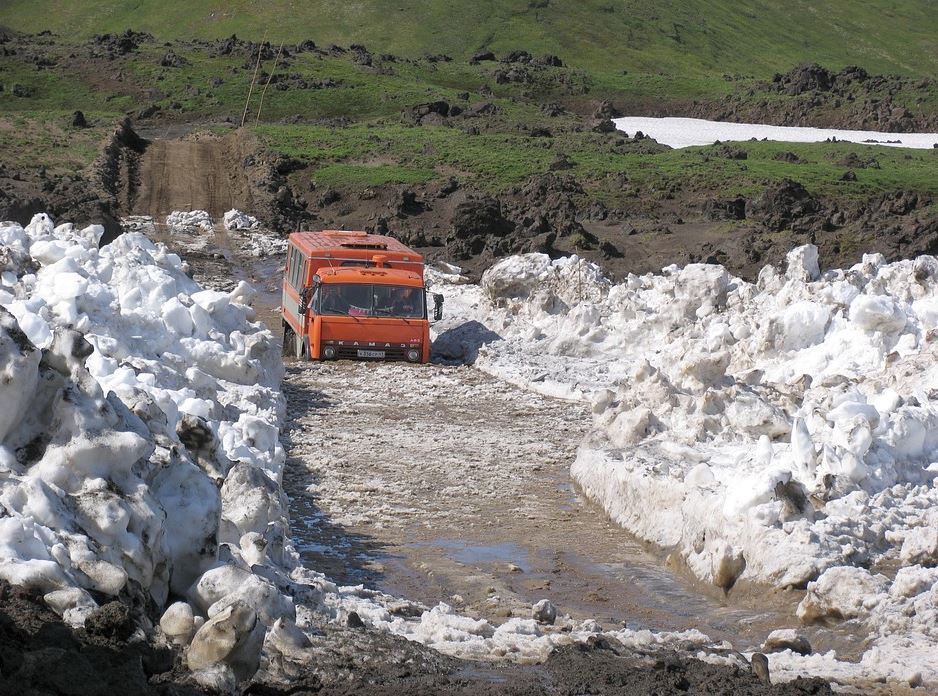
<point>362,300</point>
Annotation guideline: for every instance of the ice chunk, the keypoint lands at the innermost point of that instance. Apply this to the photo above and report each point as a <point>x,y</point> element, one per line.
<point>233,637</point>
<point>19,372</point>
<point>877,313</point>
<point>236,220</point>
<point>920,546</point>
<point>843,592</point>
<point>178,623</point>
<point>185,221</point>
<point>803,263</point>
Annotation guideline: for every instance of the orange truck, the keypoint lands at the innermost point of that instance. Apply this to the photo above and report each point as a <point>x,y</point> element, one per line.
<point>354,295</point>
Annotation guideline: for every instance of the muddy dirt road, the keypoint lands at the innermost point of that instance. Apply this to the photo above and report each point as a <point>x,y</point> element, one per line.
<point>442,484</point>
<point>190,174</point>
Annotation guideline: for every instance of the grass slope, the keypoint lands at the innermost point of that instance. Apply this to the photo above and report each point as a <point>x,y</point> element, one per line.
<point>695,37</point>
<point>371,155</point>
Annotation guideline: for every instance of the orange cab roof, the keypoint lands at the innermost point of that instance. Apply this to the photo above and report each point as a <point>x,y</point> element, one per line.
<point>354,274</point>
<point>344,239</point>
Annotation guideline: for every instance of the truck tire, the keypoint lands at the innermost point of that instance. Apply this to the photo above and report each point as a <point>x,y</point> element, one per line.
<point>299,347</point>
<point>289,344</point>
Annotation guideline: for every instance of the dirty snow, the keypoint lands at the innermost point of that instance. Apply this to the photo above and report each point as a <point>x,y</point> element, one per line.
<point>236,220</point>
<point>686,132</point>
<point>780,432</point>
<point>189,221</point>
<point>254,240</point>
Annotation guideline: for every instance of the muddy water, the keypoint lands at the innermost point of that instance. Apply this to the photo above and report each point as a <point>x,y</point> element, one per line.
<point>595,570</point>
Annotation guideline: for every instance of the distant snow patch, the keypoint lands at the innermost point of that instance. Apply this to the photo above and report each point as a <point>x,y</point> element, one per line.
<point>687,132</point>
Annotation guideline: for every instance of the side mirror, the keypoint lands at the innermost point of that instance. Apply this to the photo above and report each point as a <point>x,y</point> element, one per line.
<point>437,306</point>
<point>304,298</point>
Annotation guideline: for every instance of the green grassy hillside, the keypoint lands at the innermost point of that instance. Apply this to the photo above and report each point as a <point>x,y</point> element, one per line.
<point>648,36</point>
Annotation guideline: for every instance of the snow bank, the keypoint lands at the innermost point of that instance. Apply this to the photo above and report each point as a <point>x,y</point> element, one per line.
<point>771,432</point>
<point>132,401</point>
<point>140,459</point>
<point>261,244</point>
<point>686,132</point>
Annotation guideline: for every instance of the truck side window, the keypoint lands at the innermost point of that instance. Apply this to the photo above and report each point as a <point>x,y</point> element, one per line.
<point>291,266</point>
<point>297,268</point>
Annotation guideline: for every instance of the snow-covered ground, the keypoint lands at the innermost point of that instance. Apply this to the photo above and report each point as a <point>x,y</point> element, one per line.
<point>781,432</point>
<point>140,458</point>
<point>685,132</point>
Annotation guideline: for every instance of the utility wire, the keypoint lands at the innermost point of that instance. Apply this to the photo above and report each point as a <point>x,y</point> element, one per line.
<point>260,50</point>
<point>269,78</point>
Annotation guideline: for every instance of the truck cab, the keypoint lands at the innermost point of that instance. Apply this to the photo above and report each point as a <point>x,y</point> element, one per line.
<point>353,295</point>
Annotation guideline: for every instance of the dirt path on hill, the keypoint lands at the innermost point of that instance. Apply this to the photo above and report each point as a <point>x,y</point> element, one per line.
<point>191,174</point>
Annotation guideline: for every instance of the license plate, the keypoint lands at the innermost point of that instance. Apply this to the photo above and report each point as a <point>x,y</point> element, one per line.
<point>371,354</point>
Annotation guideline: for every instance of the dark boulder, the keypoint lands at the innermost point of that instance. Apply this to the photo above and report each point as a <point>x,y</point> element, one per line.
<point>481,56</point>
<point>550,61</point>
<point>482,109</point>
<point>853,161</point>
<point>806,78</point>
<point>171,60</point>
<point>604,125</point>
<point>429,110</point>
<point>518,57</point>
<point>480,217</point>
<point>732,209</point>
<point>407,204</point>
<point>789,157</point>
<point>560,163</point>
<point>606,110</point>
<point>732,153</point>
<point>782,204</point>
<point>609,250</point>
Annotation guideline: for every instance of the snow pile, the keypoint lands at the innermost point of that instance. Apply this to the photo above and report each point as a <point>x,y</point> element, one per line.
<point>137,407</point>
<point>189,221</point>
<point>253,239</point>
<point>903,613</point>
<point>686,132</point>
<point>140,460</point>
<point>772,432</point>
<point>236,220</point>
<point>261,245</point>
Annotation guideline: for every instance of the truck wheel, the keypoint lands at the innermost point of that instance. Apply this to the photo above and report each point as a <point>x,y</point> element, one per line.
<point>299,347</point>
<point>288,340</point>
